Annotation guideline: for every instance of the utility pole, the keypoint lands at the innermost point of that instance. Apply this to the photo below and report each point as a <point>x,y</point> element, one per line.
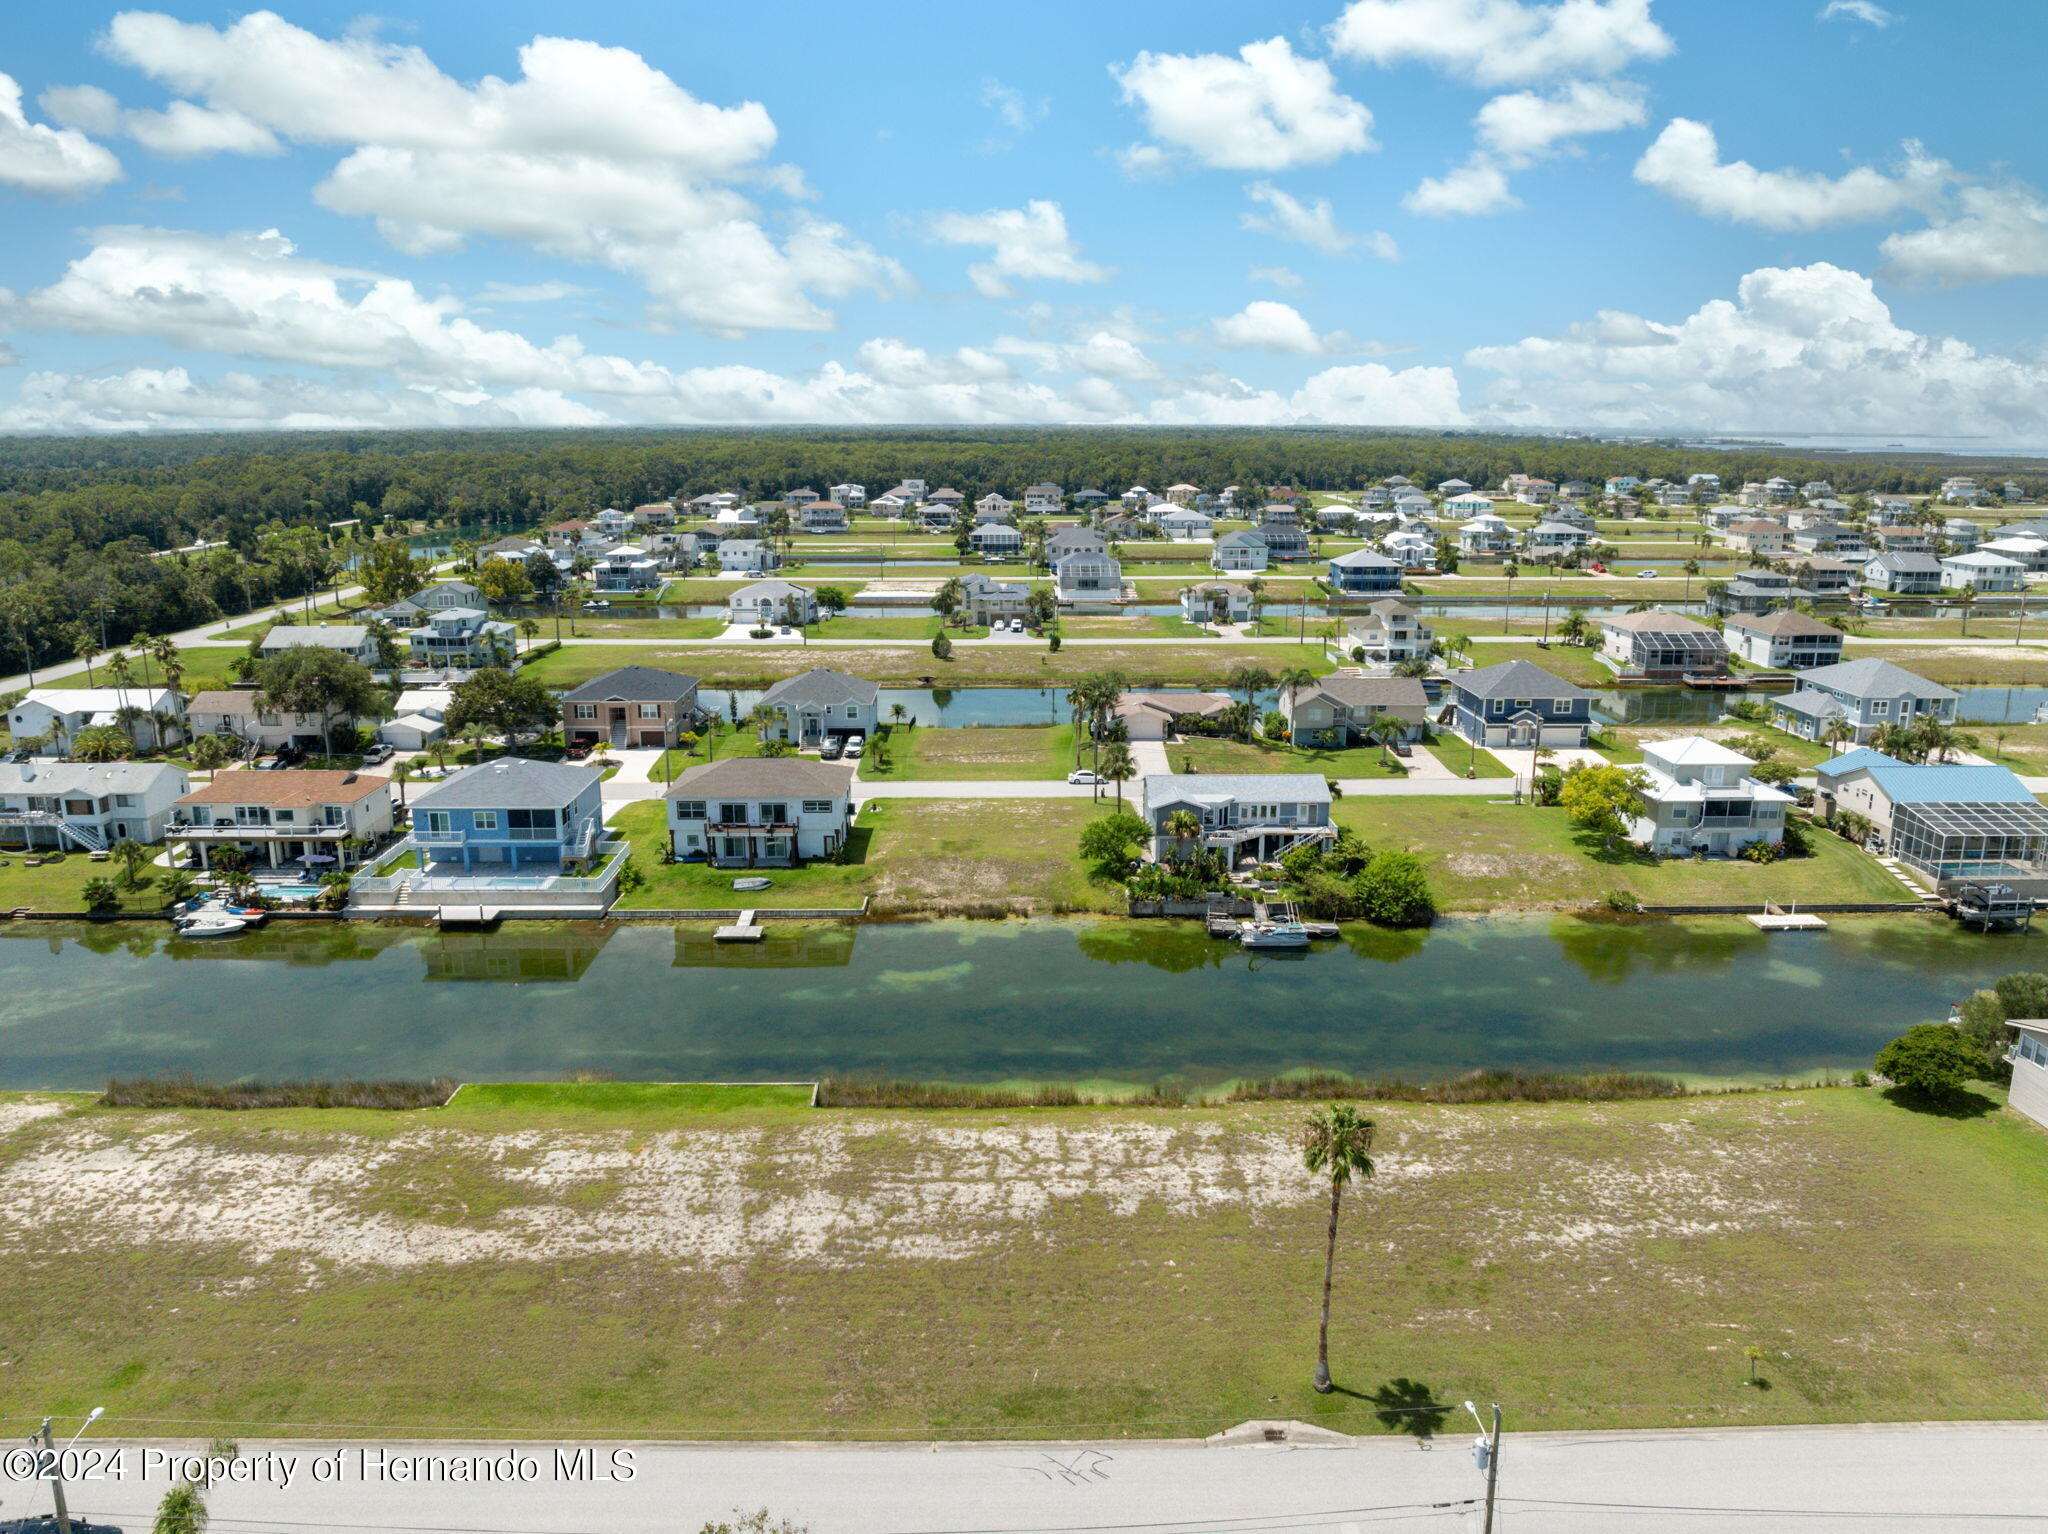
<point>1486,1450</point>
<point>56,1481</point>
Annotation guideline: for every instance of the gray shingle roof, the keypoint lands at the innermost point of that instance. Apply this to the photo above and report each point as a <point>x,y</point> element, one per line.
<point>510,783</point>
<point>1873,678</point>
<point>1262,787</point>
<point>1516,679</point>
<point>85,777</point>
<point>749,777</point>
<point>634,684</point>
<point>323,635</point>
<point>821,687</point>
<point>1369,691</point>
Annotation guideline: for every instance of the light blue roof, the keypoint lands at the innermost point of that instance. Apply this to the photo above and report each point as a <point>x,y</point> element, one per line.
<point>1950,785</point>
<point>1849,761</point>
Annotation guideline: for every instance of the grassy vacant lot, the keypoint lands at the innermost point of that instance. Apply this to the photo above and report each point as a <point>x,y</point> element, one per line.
<point>641,628</point>
<point>58,886</point>
<point>1208,755</point>
<point>908,855</point>
<point>1485,856</point>
<point>1624,743</point>
<point>778,1272</point>
<point>1569,662</point>
<point>976,752</point>
<point>894,628</point>
<point>206,666</point>
<point>1965,663</point>
<point>637,1097</point>
<point>1142,626</point>
<point>911,665</point>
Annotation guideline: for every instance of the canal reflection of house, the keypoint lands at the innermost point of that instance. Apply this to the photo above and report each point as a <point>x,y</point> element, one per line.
<point>1950,821</point>
<point>1253,816</point>
<point>517,952</point>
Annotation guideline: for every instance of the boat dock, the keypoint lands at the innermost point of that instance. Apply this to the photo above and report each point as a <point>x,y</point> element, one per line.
<point>1778,918</point>
<point>745,930</point>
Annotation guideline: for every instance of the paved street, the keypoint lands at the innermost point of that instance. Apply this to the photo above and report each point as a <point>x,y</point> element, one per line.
<point>1915,1480</point>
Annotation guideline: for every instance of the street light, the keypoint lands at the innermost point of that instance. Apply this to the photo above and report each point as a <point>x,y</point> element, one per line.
<point>56,1463</point>
<point>1486,1454</point>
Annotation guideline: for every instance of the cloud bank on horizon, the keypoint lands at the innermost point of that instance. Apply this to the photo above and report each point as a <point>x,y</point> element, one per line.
<point>1523,213</point>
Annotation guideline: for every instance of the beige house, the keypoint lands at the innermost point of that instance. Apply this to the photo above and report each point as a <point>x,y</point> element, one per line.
<point>633,706</point>
<point>1338,710</point>
<point>233,711</point>
<point>1758,535</point>
<point>1150,715</point>
<point>1389,632</point>
<point>280,818</point>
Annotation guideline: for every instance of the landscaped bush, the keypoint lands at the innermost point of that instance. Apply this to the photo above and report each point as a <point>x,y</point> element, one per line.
<point>189,1092</point>
<point>1482,1086</point>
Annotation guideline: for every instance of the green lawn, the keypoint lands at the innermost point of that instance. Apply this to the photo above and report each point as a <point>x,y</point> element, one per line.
<point>778,1272</point>
<point>934,856</point>
<point>1486,856</point>
<point>58,886</point>
<point>1207,754</point>
<point>1572,663</point>
<point>1142,626</point>
<point>1624,743</point>
<point>897,665</point>
<point>975,752</point>
<point>587,627</point>
<point>206,667</point>
<point>636,1097</point>
<point>1965,664</point>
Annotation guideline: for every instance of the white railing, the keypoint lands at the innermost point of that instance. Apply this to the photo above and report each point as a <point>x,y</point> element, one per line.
<point>572,888</point>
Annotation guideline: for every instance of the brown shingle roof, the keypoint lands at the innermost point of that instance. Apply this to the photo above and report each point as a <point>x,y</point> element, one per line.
<point>1656,620</point>
<point>221,702</point>
<point>290,789</point>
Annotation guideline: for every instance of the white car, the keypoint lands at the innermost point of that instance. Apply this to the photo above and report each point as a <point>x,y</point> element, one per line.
<point>854,746</point>
<point>1083,775</point>
<point>1646,575</point>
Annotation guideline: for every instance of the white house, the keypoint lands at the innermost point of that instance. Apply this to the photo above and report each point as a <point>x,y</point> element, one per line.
<point>1087,578</point>
<point>1390,632</point>
<point>1185,524</point>
<point>993,507</point>
<point>821,517</point>
<point>418,718</point>
<point>747,556</point>
<point>1554,537</point>
<point>771,602</point>
<point>233,712</point>
<point>1488,534</point>
<point>350,639</point>
<point>1981,571</point>
<point>849,495</point>
<point>1468,503</point>
<point>1042,500</point>
<point>2028,1057</point>
<point>61,712</point>
<point>1216,602</point>
<point>87,806</point>
<point>1783,640</point>
<point>760,812</point>
<point>1698,797</point>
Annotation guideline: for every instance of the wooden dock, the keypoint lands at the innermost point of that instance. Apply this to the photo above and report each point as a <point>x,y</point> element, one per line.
<point>745,930</point>
<point>1778,918</point>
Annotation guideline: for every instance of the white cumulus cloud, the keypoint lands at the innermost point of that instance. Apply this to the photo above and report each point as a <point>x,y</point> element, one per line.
<point>1999,231</point>
<point>1478,186</point>
<point>1313,224</point>
<point>54,162</point>
<point>1267,109</point>
<point>1501,42</point>
<point>181,131</point>
<point>1027,244</point>
<point>1266,324</point>
<point>1526,125</point>
<point>1361,394</point>
<point>1799,349</point>
<point>1685,163</point>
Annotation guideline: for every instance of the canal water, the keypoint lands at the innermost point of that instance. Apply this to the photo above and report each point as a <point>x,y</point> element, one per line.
<point>989,1001</point>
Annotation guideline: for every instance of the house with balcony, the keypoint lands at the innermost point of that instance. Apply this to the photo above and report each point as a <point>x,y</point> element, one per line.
<point>760,812</point>
<point>61,712</point>
<point>1468,503</point>
<point>461,639</point>
<point>1087,578</point>
<point>437,598</point>
<point>1962,534</point>
<point>1364,572</point>
<point>1903,574</point>
<point>627,568</point>
<point>747,556</point>
<point>1905,540</point>
<point>1186,524</point>
<point>350,639</point>
<point>985,599</point>
<point>304,817</point>
<point>1340,710</point>
<point>508,816</point>
<point>1411,547</point>
<point>1389,633</point>
<point>821,517</point>
<point>1519,706</point>
<point>1287,541</point>
<point>1822,575</point>
<point>1248,816</point>
<point>1242,552</point>
<point>850,496</point>
<point>1864,694</point>
<point>996,540</point>
<point>87,806</point>
<point>1837,538</point>
<point>1216,602</point>
<point>1783,640</point>
<point>1554,537</point>
<point>1486,537</point>
<point>1697,798</point>
<point>1755,591</point>
<point>632,706</point>
<point>2027,550</point>
<point>235,712</point>
<point>1042,500</point>
<point>1663,646</point>
<point>1073,540</point>
<point>1952,822</point>
<point>818,704</point>
<point>1982,572</point>
<point>1757,535</point>
<point>771,602</point>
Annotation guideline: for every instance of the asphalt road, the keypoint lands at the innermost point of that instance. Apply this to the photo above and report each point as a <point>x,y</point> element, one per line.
<point>1916,1480</point>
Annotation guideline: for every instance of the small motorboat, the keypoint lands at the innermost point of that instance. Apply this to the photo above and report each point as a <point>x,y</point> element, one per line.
<point>1273,934</point>
<point>210,924</point>
<point>1870,604</point>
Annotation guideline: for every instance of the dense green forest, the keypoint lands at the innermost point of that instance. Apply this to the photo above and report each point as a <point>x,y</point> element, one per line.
<point>80,518</point>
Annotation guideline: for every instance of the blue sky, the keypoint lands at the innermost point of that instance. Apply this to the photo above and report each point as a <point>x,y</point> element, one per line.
<point>1659,215</point>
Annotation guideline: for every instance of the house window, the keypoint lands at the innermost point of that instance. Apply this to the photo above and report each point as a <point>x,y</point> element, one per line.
<point>650,711</point>
<point>733,813</point>
<point>530,820</point>
<point>689,809</point>
<point>1880,708</point>
<point>586,711</point>
<point>775,813</point>
<point>817,806</point>
<point>483,820</point>
<point>1500,706</point>
<point>439,822</point>
<point>126,801</point>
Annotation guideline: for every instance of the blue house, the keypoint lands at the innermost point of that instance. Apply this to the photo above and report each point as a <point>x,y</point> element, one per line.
<point>507,815</point>
<point>1364,572</point>
<point>1520,706</point>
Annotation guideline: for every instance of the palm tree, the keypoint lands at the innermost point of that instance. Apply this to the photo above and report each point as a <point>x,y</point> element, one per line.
<point>898,713</point>
<point>1249,680</point>
<point>1257,587</point>
<point>87,649</point>
<point>1966,599</point>
<point>403,773</point>
<point>131,855</point>
<point>1837,733</point>
<point>1185,827</point>
<point>1335,1143</point>
<point>1385,728</point>
<point>1691,568</point>
<point>1118,765</point>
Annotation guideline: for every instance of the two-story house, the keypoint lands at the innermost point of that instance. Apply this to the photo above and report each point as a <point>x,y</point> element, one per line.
<point>771,602</point>
<point>747,556</point>
<point>1862,693</point>
<point>1338,710</point>
<point>234,712</point>
<point>1073,540</point>
<point>627,568</point>
<point>996,540</point>
<point>985,599</point>
<point>1952,821</point>
<point>1363,572</point>
<point>1287,541</point>
<point>87,806</point>
<point>1390,632</point>
<point>760,812</point>
<point>59,713</point>
<point>1257,815</point>
<point>462,639</point>
<point>300,816</point>
<point>816,705</point>
<point>1087,578</point>
<point>1042,500</point>
<point>1216,602</point>
<point>1697,797</point>
<point>1487,536</point>
<point>1186,524</point>
<point>507,817</point>
<point>632,706</point>
<point>1519,705</point>
<point>437,598</point>
<point>1554,537</point>
<point>1241,551</point>
<point>1982,571</point>
<point>1903,574</point>
<point>1757,535</point>
<point>850,496</point>
<point>1783,641</point>
<point>822,517</point>
<point>1662,645</point>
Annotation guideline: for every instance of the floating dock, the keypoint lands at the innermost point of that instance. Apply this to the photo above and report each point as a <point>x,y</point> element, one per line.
<point>745,930</point>
<point>1777,918</point>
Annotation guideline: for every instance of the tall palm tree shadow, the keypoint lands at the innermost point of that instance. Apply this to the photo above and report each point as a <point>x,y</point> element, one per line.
<point>1408,1406</point>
